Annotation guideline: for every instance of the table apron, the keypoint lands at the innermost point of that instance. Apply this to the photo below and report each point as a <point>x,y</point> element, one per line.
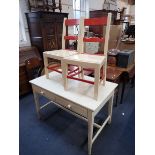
<point>71,106</point>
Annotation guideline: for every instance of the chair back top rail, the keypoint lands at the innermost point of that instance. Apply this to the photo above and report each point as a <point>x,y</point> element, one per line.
<point>72,22</point>
<point>95,21</point>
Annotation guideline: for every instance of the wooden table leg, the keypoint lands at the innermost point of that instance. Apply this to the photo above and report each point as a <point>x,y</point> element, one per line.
<point>90,131</point>
<point>117,93</point>
<point>36,99</point>
<point>122,93</point>
<point>125,79</point>
<point>110,107</point>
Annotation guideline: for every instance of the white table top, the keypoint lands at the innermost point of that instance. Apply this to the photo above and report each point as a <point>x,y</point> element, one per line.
<point>60,53</point>
<point>78,92</point>
<point>96,59</point>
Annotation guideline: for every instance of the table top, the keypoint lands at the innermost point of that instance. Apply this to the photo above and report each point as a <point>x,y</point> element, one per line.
<point>59,54</point>
<point>128,69</point>
<point>78,92</point>
<point>113,73</point>
<point>94,59</point>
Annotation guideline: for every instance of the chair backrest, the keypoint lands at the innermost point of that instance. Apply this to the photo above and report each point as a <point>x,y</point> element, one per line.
<point>102,21</point>
<point>66,24</point>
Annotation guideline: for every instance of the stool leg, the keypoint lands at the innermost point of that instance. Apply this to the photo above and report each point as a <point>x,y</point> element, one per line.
<point>97,82</point>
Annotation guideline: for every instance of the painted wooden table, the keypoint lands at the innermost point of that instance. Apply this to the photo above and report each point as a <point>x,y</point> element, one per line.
<point>78,100</point>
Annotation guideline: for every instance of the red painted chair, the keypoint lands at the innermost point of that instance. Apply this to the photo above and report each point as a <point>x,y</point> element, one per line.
<point>60,54</point>
<point>89,62</point>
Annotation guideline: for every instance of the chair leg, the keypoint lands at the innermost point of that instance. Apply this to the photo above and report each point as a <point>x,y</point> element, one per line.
<point>97,82</point>
<point>64,67</point>
<point>46,65</point>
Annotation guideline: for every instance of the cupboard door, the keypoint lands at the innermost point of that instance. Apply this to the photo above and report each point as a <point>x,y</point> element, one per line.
<point>35,32</point>
<point>49,36</point>
<point>59,27</point>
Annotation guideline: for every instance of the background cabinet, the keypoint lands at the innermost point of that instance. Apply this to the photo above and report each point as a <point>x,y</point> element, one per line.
<point>45,29</point>
<point>26,53</point>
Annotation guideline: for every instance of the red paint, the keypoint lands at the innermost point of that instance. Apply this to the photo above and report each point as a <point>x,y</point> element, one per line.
<point>82,80</point>
<point>93,39</point>
<point>95,21</point>
<point>71,37</point>
<point>73,71</point>
<point>53,68</point>
<point>56,70</point>
<point>72,22</point>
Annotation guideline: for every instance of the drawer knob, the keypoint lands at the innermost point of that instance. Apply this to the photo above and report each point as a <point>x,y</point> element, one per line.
<point>41,92</point>
<point>68,106</point>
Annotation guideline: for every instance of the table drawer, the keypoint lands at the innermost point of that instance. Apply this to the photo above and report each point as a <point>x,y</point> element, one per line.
<point>71,106</point>
<point>44,92</point>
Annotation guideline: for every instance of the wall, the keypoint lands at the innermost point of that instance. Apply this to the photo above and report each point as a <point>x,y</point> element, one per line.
<point>67,7</point>
<point>96,4</point>
<point>23,9</point>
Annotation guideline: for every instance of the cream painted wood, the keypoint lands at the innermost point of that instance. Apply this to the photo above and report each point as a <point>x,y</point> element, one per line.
<point>44,92</point>
<point>45,66</point>
<point>85,61</point>
<point>77,101</point>
<point>69,105</point>
<point>56,54</point>
<point>106,42</point>
<point>65,103</point>
<point>64,74</point>
<point>97,82</point>
<point>80,46</point>
<point>37,105</point>
<point>110,107</point>
<point>59,54</point>
<point>63,34</point>
<point>78,92</point>
<point>89,61</point>
<point>90,131</point>
<point>99,131</point>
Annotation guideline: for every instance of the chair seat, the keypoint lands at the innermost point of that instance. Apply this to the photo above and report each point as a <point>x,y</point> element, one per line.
<point>59,54</point>
<point>86,58</point>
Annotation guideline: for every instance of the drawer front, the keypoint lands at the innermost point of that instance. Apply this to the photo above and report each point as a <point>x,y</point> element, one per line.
<point>44,92</point>
<point>61,101</point>
<point>71,106</point>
